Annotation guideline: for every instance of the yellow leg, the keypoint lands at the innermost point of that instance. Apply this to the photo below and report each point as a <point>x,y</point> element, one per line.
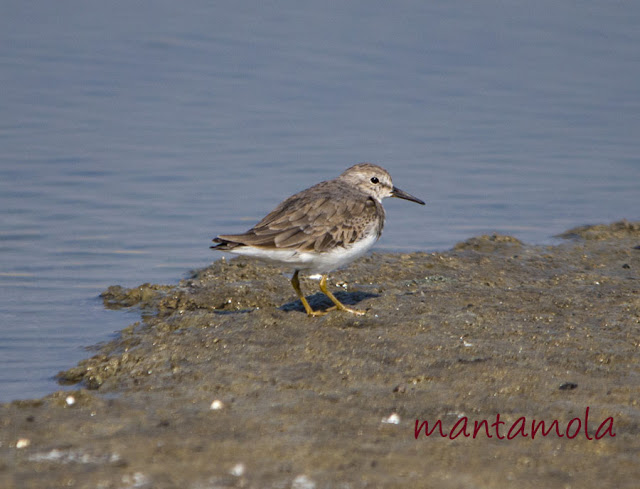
<point>339,305</point>
<point>296,285</point>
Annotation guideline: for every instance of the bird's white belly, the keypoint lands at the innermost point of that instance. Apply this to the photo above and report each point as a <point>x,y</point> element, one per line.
<point>312,262</point>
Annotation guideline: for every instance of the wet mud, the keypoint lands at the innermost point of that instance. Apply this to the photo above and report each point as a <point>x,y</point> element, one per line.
<point>224,381</point>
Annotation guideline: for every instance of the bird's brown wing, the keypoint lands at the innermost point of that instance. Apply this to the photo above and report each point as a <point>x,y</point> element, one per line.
<point>314,220</point>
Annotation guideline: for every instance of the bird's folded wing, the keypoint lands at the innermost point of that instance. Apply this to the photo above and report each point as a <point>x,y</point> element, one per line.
<point>318,224</point>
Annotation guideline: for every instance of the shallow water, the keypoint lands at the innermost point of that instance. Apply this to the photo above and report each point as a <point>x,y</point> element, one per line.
<point>131,136</point>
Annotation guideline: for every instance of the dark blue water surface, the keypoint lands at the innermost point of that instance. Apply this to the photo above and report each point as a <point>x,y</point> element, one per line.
<point>133,132</point>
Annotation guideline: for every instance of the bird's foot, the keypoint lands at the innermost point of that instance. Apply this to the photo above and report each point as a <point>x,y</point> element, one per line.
<point>357,312</point>
<point>315,314</point>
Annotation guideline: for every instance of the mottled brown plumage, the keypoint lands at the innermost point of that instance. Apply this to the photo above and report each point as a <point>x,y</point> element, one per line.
<point>328,215</point>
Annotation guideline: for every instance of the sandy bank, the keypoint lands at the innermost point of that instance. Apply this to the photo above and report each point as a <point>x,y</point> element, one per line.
<point>493,326</point>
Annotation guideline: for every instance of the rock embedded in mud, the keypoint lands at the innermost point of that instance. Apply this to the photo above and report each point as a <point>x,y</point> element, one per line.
<point>617,230</point>
<point>118,297</point>
<point>490,243</point>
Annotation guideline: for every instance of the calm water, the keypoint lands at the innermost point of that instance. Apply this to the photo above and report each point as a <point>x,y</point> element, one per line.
<point>132,133</point>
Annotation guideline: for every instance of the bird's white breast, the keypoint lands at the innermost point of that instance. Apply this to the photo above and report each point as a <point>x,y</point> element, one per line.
<point>312,262</point>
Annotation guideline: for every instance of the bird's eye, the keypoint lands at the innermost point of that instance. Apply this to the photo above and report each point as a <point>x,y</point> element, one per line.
<point>374,180</point>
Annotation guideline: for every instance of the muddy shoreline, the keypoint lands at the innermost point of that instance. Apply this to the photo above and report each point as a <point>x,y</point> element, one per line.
<point>493,326</point>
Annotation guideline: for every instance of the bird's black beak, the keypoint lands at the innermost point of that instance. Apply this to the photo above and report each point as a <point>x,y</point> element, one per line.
<point>401,194</point>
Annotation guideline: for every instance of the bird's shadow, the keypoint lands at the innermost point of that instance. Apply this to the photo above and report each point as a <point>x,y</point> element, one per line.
<point>320,302</point>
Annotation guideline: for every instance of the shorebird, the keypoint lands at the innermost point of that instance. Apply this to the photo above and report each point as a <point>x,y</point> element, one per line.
<point>321,228</point>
